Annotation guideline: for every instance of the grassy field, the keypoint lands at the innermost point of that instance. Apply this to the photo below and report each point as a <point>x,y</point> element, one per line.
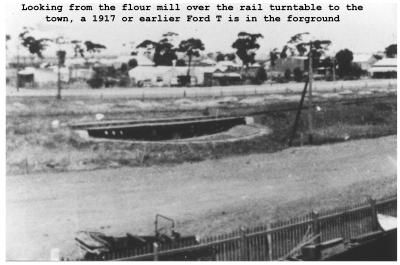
<point>33,145</point>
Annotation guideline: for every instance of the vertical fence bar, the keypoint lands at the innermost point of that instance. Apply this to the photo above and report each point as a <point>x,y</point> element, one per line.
<point>316,227</point>
<point>155,251</point>
<point>243,245</point>
<point>375,224</point>
<point>269,242</point>
<point>261,243</point>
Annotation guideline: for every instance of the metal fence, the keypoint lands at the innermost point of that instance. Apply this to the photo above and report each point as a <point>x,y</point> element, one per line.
<point>273,241</point>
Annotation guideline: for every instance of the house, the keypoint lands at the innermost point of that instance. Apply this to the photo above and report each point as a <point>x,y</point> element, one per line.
<point>79,68</point>
<point>207,62</point>
<point>219,78</point>
<point>385,68</point>
<point>167,75</point>
<point>42,76</point>
<point>228,66</point>
<point>364,60</point>
<point>290,63</point>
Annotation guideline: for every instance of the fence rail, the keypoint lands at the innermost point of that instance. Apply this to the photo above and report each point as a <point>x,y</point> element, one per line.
<point>273,241</point>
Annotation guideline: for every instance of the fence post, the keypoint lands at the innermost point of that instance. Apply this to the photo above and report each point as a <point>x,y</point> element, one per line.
<point>375,224</point>
<point>26,166</point>
<point>243,245</point>
<point>342,225</point>
<point>316,227</point>
<point>55,254</point>
<point>269,242</point>
<point>155,251</point>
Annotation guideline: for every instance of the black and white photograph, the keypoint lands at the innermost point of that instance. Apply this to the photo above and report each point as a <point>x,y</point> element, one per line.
<point>200,130</point>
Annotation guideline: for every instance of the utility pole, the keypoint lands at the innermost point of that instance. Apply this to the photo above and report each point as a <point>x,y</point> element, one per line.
<point>61,59</point>
<point>313,45</point>
<point>18,65</point>
<point>59,79</point>
<point>310,104</point>
<point>333,67</point>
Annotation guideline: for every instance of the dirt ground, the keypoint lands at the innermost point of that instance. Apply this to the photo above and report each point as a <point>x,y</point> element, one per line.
<point>214,196</point>
<point>179,92</point>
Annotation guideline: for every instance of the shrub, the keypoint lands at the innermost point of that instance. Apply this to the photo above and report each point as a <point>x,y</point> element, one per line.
<point>288,74</point>
<point>260,76</point>
<point>96,82</point>
<point>298,74</point>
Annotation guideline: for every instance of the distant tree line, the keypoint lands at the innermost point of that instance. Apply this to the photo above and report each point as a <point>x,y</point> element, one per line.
<point>164,53</point>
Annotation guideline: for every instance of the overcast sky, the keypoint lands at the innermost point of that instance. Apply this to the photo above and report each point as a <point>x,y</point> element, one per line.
<point>369,30</point>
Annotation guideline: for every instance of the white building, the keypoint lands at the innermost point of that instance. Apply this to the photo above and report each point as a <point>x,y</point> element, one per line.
<point>364,60</point>
<point>167,75</point>
<point>385,68</point>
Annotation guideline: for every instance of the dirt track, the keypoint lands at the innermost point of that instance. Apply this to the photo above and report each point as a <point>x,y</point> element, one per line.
<point>44,211</point>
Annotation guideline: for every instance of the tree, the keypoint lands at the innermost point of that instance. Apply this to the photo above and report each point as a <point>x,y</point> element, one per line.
<point>132,63</point>
<point>225,57</point>
<point>391,51</point>
<point>191,47</point>
<point>34,46</point>
<point>318,48</point>
<point>356,70</point>
<point>377,56</point>
<point>8,37</point>
<point>180,62</point>
<point>92,47</point>
<point>124,68</point>
<point>164,51</point>
<point>260,76</point>
<point>328,63</point>
<point>61,54</point>
<point>220,57</point>
<point>344,59</point>
<point>294,46</point>
<point>273,56</point>
<point>288,74</point>
<point>283,53</point>
<point>230,56</point>
<point>246,45</point>
<point>297,74</point>
<point>297,46</point>
<point>78,50</point>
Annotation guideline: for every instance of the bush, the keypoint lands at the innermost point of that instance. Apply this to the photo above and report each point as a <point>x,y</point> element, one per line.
<point>124,81</point>
<point>298,74</point>
<point>261,76</point>
<point>96,82</point>
<point>288,74</point>
<point>356,70</point>
<point>180,62</point>
<point>132,63</point>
